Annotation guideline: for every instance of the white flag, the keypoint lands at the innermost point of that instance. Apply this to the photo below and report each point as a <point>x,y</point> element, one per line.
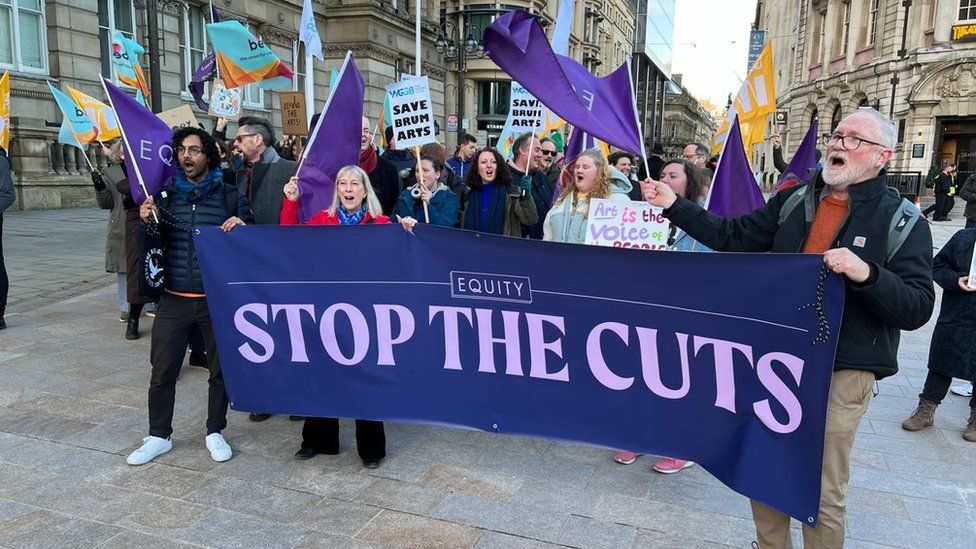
<point>309,32</point>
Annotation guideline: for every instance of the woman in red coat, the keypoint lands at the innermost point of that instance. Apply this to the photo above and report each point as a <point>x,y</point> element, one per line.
<point>354,203</point>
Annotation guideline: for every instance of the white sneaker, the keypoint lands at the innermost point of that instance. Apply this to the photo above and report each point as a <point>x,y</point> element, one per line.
<point>219,449</point>
<point>963,389</point>
<point>152,447</point>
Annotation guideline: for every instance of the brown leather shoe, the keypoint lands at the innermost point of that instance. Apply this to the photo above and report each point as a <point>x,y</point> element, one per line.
<point>922,417</point>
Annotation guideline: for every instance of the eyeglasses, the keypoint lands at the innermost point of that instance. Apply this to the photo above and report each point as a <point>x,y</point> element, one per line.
<point>692,157</point>
<point>855,142</point>
<point>190,151</point>
<point>240,137</point>
<point>548,153</point>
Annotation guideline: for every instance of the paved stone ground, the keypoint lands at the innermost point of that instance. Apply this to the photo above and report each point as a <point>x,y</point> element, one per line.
<point>73,404</point>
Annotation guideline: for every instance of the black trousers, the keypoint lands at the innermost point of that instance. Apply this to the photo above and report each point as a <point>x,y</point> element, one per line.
<point>322,435</point>
<point>4,281</point>
<point>941,206</point>
<point>175,317</point>
<point>937,387</point>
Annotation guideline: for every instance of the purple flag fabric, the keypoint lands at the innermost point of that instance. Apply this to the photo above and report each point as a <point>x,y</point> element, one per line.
<point>148,153</point>
<point>734,191</point>
<point>603,107</point>
<point>206,72</point>
<point>334,142</point>
<point>804,159</point>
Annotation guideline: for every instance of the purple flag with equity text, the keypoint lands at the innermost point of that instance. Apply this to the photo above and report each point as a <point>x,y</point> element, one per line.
<point>734,191</point>
<point>148,153</point>
<point>334,142</point>
<point>603,107</point>
<point>804,159</point>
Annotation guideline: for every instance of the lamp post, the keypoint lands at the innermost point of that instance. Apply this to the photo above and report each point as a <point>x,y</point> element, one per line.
<point>153,54</point>
<point>452,47</point>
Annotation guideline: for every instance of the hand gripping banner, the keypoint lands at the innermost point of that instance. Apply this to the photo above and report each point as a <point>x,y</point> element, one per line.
<point>667,353</point>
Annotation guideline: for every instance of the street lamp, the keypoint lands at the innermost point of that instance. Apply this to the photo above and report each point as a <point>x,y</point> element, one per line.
<point>450,44</point>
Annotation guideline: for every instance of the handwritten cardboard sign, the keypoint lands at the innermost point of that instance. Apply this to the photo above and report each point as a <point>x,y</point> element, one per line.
<point>225,102</point>
<point>626,225</point>
<point>971,282</point>
<point>180,117</point>
<point>294,119</point>
<point>413,112</point>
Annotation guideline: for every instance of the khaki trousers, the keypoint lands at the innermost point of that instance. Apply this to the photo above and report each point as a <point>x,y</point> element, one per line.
<point>850,392</point>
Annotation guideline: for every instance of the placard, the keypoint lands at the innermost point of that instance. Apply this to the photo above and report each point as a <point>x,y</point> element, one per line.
<point>294,119</point>
<point>225,102</point>
<point>180,117</point>
<point>918,150</point>
<point>413,114</point>
<point>971,283</point>
<point>524,110</point>
<point>627,225</point>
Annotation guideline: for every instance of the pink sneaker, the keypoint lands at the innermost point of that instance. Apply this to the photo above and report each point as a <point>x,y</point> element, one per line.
<point>672,465</point>
<point>624,457</point>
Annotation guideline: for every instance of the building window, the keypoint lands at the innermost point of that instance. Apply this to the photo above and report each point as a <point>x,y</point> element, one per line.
<point>493,98</point>
<point>192,44</point>
<point>298,66</point>
<point>967,10</point>
<point>873,23</point>
<point>847,29</point>
<point>405,68</point>
<point>835,119</point>
<point>114,15</point>
<point>814,116</point>
<point>818,36</point>
<point>23,36</point>
<point>674,130</point>
<point>901,130</point>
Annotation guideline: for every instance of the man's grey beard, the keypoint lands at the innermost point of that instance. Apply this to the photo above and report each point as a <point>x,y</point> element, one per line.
<point>848,175</point>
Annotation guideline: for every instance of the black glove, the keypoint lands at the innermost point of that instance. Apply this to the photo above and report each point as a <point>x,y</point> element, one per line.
<point>97,181</point>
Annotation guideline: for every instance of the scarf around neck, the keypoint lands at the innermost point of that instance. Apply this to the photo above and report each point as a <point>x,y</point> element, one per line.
<point>368,159</point>
<point>355,218</point>
<point>193,192</point>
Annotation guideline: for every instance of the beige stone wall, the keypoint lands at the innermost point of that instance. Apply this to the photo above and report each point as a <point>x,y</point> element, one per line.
<point>932,75</point>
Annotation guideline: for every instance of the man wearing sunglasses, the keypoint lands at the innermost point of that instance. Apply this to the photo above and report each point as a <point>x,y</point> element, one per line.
<point>264,174</point>
<point>547,162</point>
<point>845,213</point>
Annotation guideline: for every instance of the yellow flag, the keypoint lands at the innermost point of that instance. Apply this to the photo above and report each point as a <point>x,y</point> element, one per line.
<point>100,114</point>
<point>5,111</point>
<point>755,100</point>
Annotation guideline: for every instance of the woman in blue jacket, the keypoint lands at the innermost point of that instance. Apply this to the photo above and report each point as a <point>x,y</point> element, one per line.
<point>442,203</point>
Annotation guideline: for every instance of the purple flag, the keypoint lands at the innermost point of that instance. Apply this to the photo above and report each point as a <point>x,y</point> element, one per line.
<point>804,159</point>
<point>342,124</point>
<point>603,107</point>
<point>148,153</point>
<point>734,191</point>
<point>206,72</point>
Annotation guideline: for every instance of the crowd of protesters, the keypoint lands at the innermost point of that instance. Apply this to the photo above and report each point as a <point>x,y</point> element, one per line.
<point>537,194</point>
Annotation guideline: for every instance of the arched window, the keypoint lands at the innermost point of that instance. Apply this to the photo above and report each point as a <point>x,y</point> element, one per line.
<point>863,102</point>
<point>835,118</point>
<point>814,115</point>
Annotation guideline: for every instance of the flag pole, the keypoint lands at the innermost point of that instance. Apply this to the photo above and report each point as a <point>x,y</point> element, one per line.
<point>128,150</point>
<point>417,39</point>
<point>309,85</point>
<point>640,126</point>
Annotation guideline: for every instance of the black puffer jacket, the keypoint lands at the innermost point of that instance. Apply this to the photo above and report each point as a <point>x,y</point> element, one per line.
<point>182,268</point>
<point>953,349</point>
<point>898,295</point>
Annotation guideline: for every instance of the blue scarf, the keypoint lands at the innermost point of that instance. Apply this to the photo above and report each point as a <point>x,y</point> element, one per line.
<point>355,218</point>
<point>193,192</point>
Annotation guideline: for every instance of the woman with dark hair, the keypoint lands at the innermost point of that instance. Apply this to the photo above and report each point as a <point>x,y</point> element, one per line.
<point>442,203</point>
<point>495,205</point>
<point>109,198</point>
<point>691,182</point>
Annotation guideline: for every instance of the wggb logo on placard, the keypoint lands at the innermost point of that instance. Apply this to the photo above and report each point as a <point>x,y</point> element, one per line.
<point>494,287</point>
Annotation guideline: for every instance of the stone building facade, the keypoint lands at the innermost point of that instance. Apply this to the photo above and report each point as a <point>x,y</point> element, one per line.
<point>913,60</point>
<point>685,121</point>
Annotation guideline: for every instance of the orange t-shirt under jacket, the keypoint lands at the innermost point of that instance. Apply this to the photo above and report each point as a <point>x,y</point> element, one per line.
<point>829,216</point>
